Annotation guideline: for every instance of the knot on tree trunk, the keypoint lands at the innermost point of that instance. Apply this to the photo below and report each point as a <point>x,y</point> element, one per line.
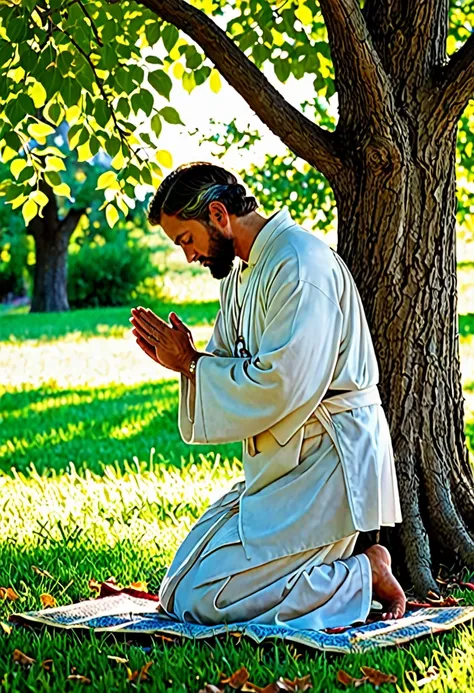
<point>382,157</point>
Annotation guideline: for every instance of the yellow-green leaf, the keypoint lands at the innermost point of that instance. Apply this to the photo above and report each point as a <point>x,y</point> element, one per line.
<point>304,14</point>
<point>29,211</point>
<point>39,130</point>
<point>164,158</point>
<point>17,201</point>
<point>111,215</point>
<point>118,160</point>
<point>39,197</point>
<point>107,180</point>
<point>178,70</point>
<point>215,81</point>
<point>8,154</point>
<point>38,94</point>
<point>84,152</point>
<point>17,166</point>
<point>54,163</point>
<point>63,189</point>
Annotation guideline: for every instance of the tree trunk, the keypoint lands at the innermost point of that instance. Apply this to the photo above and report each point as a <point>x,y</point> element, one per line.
<point>52,237</point>
<point>50,279</point>
<point>396,208</point>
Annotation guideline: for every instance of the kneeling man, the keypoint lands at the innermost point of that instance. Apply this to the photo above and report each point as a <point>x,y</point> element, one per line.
<point>290,370</point>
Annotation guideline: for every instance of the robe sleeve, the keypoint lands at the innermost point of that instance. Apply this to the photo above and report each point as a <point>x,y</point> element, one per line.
<point>236,398</point>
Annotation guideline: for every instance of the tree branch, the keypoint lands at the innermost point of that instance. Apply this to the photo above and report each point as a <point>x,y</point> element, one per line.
<point>301,135</point>
<point>364,88</point>
<point>454,85</point>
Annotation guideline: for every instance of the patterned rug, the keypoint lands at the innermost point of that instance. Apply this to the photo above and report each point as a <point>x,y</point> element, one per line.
<point>133,612</point>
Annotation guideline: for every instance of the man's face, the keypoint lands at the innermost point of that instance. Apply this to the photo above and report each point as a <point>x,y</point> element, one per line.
<point>203,243</point>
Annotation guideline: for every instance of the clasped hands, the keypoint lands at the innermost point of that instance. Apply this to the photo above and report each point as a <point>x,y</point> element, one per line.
<point>170,346</point>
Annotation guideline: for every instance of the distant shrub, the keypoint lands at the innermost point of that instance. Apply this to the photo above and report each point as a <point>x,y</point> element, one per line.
<point>109,274</point>
<point>13,272</point>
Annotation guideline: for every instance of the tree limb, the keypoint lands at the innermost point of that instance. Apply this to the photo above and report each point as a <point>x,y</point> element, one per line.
<point>301,135</point>
<point>364,88</point>
<point>454,85</point>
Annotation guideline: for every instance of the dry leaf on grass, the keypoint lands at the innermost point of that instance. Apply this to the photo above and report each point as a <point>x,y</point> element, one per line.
<point>6,628</point>
<point>237,679</point>
<point>378,677</point>
<point>432,673</point>
<point>48,601</point>
<point>348,680</point>
<point>8,593</point>
<point>79,678</point>
<point>139,674</point>
<point>22,658</point>
<point>139,586</point>
<point>40,571</point>
<point>47,665</point>
<point>119,660</point>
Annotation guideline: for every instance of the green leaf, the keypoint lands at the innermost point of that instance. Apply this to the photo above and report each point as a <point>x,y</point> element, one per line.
<point>112,146</point>
<point>248,39</point>
<point>71,91</point>
<point>143,100</point>
<point>53,178</point>
<point>146,176</point>
<point>64,62</point>
<point>202,74</point>
<point>154,60</point>
<point>109,57</point>
<point>109,31</point>
<point>12,140</point>
<point>101,112</point>
<point>156,125</point>
<point>123,107</point>
<point>152,32</point>
<point>170,35</point>
<point>193,58</point>
<point>171,115</point>
<point>160,81</point>
<point>282,69</point>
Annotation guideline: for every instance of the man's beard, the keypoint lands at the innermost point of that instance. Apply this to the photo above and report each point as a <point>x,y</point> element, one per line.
<point>221,253</point>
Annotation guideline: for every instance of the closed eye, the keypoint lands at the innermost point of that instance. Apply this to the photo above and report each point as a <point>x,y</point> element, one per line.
<point>188,241</point>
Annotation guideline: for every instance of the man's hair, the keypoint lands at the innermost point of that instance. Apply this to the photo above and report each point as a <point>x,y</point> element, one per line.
<point>187,192</point>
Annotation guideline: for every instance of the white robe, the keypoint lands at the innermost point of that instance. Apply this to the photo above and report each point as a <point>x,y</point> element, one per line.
<point>317,454</point>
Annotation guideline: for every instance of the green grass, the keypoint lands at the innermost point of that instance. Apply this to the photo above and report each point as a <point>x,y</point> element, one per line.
<point>97,482</point>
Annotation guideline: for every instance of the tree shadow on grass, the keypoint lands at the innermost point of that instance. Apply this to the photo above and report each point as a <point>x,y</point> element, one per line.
<point>98,322</point>
<point>95,426</point>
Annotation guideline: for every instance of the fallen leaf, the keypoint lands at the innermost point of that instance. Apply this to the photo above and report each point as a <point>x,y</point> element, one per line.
<point>22,658</point>
<point>139,674</point>
<point>47,601</point>
<point>303,684</point>
<point>237,679</point>
<point>40,571</point>
<point>140,586</point>
<point>8,593</point>
<point>348,680</point>
<point>47,664</point>
<point>94,586</point>
<point>377,677</point>
<point>431,674</point>
<point>6,628</point>
<point>119,660</point>
<point>79,678</point>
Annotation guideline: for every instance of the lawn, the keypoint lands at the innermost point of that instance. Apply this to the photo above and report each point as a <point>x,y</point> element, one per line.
<point>96,482</point>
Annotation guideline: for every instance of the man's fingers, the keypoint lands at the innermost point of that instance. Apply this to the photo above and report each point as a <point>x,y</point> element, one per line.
<point>144,334</point>
<point>149,350</point>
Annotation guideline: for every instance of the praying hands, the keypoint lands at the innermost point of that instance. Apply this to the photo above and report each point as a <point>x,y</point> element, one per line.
<point>170,346</point>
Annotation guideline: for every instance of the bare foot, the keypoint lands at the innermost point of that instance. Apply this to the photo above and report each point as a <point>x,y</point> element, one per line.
<point>385,586</point>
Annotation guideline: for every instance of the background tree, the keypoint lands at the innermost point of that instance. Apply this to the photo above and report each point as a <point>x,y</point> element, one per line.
<point>390,161</point>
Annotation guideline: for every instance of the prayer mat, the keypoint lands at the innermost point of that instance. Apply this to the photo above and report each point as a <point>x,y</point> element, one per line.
<point>130,611</point>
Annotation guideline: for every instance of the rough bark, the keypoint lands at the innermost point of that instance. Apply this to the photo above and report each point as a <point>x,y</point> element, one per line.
<point>52,237</point>
<point>397,234</point>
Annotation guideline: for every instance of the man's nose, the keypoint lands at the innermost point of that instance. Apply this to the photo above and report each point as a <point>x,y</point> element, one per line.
<point>190,255</point>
